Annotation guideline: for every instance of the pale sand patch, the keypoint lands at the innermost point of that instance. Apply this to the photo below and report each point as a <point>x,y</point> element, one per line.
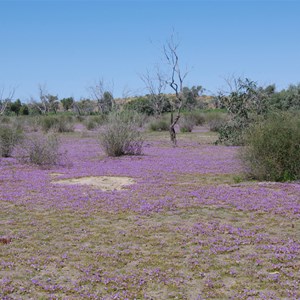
<point>105,183</point>
<point>55,174</point>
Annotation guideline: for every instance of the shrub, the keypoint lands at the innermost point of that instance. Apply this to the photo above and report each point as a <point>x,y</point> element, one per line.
<point>42,150</point>
<point>57,123</point>
<point>216,120</point>
<point>130,116</point>
<point>93,122</point>
<point>187,123</point>
<point>198,117</point>
<point>90,124</point>
<point>159,125</point>
<point>34,123</point>
<point>4,119</point>
<point>10,136</point>
<point>141,105</point>
<point>272,149</point>
<point>80,118</point>
<point>120,138</point>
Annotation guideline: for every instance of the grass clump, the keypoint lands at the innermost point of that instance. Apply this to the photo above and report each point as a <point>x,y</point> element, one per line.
<point>272,149</point>
<point>10,136</point>
<point>120,137</point>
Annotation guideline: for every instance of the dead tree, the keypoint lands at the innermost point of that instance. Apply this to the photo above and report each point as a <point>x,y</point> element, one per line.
<point>175,82</point>
<point>5,101</point>
<point>46,103</point>
<point>103,96</point>
<point>156,86</point>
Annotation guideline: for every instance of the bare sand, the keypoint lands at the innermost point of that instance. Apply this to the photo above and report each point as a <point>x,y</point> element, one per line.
<point>105,183</point>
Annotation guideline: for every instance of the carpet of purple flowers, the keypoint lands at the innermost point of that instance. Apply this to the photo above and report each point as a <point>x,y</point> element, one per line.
<point>185,230</point>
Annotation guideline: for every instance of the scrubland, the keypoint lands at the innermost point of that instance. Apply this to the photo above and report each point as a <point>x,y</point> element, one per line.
<point>188,227</point>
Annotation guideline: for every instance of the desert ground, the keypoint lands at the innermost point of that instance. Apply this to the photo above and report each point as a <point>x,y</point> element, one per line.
<point>172,223</point>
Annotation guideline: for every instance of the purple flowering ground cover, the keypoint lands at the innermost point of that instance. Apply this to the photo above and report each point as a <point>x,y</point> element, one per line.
<point>184,230</point>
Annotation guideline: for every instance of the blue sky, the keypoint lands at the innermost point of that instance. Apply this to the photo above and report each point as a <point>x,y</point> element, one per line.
<point>69,45</point>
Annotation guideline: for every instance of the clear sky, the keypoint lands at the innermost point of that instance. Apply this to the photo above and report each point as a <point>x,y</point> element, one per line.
<point>69,45</point>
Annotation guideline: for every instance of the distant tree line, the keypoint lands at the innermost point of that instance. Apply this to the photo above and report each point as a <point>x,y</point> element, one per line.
<point>244,100</point>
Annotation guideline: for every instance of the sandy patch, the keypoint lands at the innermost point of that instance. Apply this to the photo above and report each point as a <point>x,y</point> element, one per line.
<point>105,183</point>
<point>55,174</point>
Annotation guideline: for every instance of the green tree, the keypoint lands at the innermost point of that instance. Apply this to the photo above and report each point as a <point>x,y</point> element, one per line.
<point>16,106</point>
<point>107,102</point>
<point>191,96</point>
<point>288,99</point>
<point>24,110</point>
<point>244,103</point>
<point>84,106</point>
<point>67,103</point>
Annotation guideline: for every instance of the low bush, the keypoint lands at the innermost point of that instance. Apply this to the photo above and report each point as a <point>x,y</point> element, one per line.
<point>57,123</point>
<point>120,138</point>
<point>41,150</point>
<point>272,150</point>
<point>5,119</point>
<point>80,118</point>
<point>33,123</point>
<point>10,136</point>
<point>92,122</point>
<point>231,133</point>
<point>159,125</point>
<point>216,120</point>
<point>198,117</point>
<point>187,123</point>
<point>130,116</point>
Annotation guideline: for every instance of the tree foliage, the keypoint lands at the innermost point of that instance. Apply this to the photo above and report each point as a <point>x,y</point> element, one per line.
<point>191,97</point>
<point>244,102</point>
<point>67,103</point>
<point>284,100</point>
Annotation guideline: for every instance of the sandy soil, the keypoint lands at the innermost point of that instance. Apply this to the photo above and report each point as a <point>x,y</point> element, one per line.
<point>105,183</point>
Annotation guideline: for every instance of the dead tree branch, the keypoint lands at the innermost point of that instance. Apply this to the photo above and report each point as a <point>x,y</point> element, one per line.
<point>176,80</point>
<point>4,101</point>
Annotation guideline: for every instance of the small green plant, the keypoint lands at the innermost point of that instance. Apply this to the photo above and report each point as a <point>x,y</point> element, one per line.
<point>10,136</point>
<point>272,149</point>
<point>237,179</point>
<point>121,138</point>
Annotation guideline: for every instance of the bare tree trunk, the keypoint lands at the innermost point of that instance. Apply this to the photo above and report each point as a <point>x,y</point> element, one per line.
<point>172,129</point>
<point>175,82</point>
<point>5,101</point>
